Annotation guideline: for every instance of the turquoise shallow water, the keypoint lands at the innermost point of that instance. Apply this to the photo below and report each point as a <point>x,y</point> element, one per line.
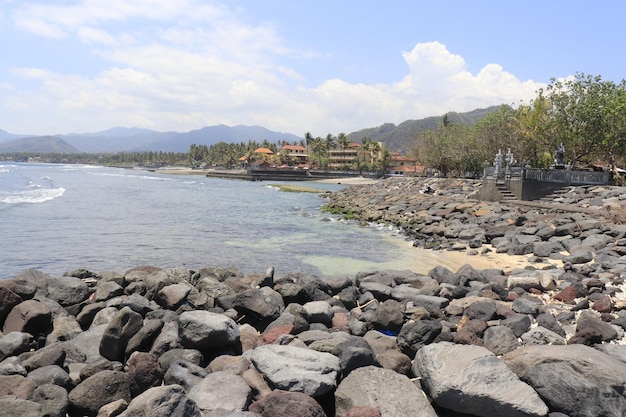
<point>57,218</point>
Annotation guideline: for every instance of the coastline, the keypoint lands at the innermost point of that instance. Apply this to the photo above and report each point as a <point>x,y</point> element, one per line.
<point>416,259</point>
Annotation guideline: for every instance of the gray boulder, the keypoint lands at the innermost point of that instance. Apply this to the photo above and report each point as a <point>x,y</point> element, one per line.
<point>221,391</point>
<point>67,291</point>
<point>297,369</point>
<point>185,374</point>
<point>204,330</point>
<point>51,374</point>
<point>471,379</point>
<point>164,401</point>
<point>500,339</point>
<point>393,394</point>
<point>588,365</point>
<point>14,343</point>
<point>12,406</point>
<point>564,390</point>
<point>53,400</point>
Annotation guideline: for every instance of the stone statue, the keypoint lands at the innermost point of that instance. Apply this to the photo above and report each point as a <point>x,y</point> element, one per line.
<point>560,155</point>
<point>508,160</point>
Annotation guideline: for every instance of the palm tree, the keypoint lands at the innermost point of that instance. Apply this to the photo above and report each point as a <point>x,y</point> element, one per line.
<point>344,142</point>
<point>307,139</point>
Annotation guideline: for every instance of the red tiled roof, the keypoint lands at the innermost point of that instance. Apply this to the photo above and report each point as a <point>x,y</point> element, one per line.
<point>264,150</point>
<point>293,148</point>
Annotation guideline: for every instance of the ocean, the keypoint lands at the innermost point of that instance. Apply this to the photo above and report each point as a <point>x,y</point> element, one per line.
<point>57,218</point>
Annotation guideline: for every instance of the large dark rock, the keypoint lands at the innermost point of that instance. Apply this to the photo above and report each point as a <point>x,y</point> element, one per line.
<point>98,390</point>
<point>8,300</point>
<point>124,325</point>
<point>354,353</point>
<point>143,339</point>
<point>260,306</point>
<point>415,335</point>
<point>590,329</point>
<point>144,371</point>
<point>287,404</point>
<point>389,316</point>
<point>30,316</point>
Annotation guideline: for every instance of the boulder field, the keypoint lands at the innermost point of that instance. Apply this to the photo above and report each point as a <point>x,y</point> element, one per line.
<point>539,341</point>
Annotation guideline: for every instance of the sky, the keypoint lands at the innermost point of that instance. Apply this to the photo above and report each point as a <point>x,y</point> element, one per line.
<point>78,66</point>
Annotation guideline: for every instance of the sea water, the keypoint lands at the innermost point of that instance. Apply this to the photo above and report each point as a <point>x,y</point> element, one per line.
<point>57,218</point>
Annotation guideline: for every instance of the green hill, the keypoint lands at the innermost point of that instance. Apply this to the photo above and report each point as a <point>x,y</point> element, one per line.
<point>400,138</point>
<point>38,144</point>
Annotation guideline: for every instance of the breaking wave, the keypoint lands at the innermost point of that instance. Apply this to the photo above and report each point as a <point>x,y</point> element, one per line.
<point>32,196</point>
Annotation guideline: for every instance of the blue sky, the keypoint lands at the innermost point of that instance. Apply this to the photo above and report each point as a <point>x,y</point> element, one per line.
<point>291,66</point>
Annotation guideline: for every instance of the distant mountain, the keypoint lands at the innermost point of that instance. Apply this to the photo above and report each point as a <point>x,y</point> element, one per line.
<point>6,136</point>
<point>38,144</point>
<point>122,139</point>
<point>221,133</point>
<point>400,138</point>
<point>118,132</point>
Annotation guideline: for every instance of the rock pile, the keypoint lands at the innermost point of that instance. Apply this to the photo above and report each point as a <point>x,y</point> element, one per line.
<point>216,342</point>
<point>540,341</point>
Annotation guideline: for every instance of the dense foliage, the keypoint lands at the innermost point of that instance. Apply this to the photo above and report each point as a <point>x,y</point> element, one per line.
<point>585,113</point>
<point>122,159</point>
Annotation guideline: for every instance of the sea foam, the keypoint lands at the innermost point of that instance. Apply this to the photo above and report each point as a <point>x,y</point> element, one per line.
<point>38,195</point>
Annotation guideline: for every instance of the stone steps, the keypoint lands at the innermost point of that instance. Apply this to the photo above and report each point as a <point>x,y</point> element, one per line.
<point>506,194</point>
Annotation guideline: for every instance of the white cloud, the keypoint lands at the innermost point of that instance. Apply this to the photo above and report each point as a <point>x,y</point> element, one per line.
<point>195,65</point>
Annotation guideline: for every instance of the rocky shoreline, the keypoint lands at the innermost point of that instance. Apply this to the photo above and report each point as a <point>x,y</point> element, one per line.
<point>544,340</point>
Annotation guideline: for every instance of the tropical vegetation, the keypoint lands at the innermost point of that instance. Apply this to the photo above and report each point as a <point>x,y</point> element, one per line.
<point>584,113</point>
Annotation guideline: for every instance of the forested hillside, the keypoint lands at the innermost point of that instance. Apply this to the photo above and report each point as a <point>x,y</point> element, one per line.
<point>401,138</point>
